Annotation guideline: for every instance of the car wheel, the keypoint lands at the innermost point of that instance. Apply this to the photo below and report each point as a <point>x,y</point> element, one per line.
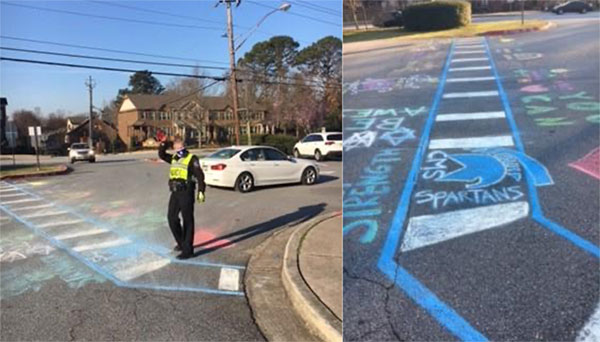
<point>72,160</point>
<point>93,160</point>
<point>244,183</point>
<point>583,11</point>
<point>318,155</point>
<point>296,153</point>
<point>309,176</point>
<point>560,11</point>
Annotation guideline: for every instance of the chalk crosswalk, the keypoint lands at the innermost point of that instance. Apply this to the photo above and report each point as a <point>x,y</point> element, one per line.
<point>121,259</point>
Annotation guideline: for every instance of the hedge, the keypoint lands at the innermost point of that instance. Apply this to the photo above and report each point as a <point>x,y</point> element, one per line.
<point>285,143</point>
<point>438,15</point>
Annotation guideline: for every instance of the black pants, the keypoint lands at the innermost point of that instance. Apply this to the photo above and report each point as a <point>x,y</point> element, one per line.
<point>182,202</point>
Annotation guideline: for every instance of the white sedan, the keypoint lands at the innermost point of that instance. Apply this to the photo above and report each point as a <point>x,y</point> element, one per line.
<point>320,145</point>
<point>244,167</point>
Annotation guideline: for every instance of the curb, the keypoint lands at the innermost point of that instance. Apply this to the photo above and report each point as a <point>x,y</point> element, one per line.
<point>515,31</point>
<point>317,316</point>
<point>63,170</point>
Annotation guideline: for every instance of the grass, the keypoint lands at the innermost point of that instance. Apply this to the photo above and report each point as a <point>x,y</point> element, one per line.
<point>27,170</point>
<point>470,30</point>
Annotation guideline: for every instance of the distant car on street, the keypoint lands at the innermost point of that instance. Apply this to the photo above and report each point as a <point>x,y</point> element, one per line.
<point>572,6</point>
<point>81,151</point>
<point>246,167</point>
<point>319,146</point>
<point>396,20</point>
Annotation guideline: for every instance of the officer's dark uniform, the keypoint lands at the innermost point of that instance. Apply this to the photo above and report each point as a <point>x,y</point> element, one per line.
<point>181,183</point>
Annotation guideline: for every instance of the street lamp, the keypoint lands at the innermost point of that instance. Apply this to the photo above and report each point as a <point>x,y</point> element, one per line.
<point>232,49</point>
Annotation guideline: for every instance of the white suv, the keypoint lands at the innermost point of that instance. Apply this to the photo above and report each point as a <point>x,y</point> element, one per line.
<point>319,145</point>
<point>81,151</point>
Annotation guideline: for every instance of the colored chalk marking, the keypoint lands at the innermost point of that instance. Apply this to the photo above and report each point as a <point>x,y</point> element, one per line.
<point>469,79</point>
<point>474,59</point>
<point>474,142</point>
<point>229,279</point>
<point>486,67</point>
<point>427,230</point>
<point>589,164</point>
<point>80,233</point>
<point>103,244</point>
<point>591,330</point>
<point>470,116</point>
<point>468,94</point>
<point>140,269</point>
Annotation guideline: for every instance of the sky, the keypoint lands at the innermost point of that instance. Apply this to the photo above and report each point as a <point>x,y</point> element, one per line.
<point>188,32</point>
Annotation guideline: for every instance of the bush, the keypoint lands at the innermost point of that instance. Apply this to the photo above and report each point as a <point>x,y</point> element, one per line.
<point>438,15</point>
<point>285,143</point>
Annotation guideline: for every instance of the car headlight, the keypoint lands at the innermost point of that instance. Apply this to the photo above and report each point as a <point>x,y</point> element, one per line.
<point>92,152</point>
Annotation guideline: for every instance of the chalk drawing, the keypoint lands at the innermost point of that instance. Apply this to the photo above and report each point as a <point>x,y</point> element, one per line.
<point>534,88</point>
<point>591,331</point>
<point>378,112</point>
<point>386,85</point>
<point>589,164</point>
<point>427,230</point>
<point>363,198</point>
<point>593,118</point>
<point>492,195</point>
<point>533,110</point>
<point>398,136</point>
<point>360,139</point>
<point>551,122</point>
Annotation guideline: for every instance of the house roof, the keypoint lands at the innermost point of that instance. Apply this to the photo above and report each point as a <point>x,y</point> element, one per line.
<point>85,122</point>
<point>174,101</point>
<point>77,119</point>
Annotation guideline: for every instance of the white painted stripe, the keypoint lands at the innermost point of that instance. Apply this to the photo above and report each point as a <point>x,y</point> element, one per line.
<point>32,207</point>
<point>141,269</point>
<point>80,233</point>
<point>471,94</point>
<point>468,44</point>
<point>43,214</point>
<point>591,330</point>
<point>482,142</point>
<point>53,224</point>
<point>8,189</point>
<point>470,79</point>
<point>471,68</point>
<point>474,59</point>
<point>469,116</point>
<point>431,229</point>
<point>468,52</point>
<point>22,201</point>
<point>229,279</point>
<point>100,245</point>
<point>13,195</point>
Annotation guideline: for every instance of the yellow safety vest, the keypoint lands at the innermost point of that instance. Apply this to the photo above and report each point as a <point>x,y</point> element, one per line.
<point>179,167</point>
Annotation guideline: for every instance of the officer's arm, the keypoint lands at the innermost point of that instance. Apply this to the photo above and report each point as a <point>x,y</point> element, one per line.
<point>198,174</point>
<point>162,153</point>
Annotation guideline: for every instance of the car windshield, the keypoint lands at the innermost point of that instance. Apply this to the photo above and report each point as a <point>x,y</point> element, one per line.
<point>334,137</point>
<point>224,153</point>
<point>79,146</point>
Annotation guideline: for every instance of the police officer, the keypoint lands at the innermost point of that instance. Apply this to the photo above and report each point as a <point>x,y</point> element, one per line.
<point>184,168</point>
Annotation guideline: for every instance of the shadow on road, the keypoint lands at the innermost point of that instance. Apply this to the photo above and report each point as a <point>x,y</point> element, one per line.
<point>292,219</point>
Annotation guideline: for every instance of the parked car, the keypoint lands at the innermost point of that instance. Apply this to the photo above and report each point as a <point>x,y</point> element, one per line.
<point>319,146</point>
<point>246,167</point>
<point>395,21</point>
<point>81,151</point>
<point>572,6</point>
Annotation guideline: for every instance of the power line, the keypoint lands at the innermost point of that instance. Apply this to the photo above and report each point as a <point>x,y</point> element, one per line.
<point>81,66</point>
<point>52,53</point>
<point>94,67</point>
<point>111,59</point>
<point>110,50</point>
<point>307,3</point>
<point>316,9</point>
<point>296,14</point>
<point>128,20</point>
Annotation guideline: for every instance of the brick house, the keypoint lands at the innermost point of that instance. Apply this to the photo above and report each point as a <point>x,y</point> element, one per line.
<point>104,134</point>
<point>208,119</point>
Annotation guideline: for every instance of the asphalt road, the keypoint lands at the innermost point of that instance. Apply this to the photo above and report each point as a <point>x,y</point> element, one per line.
<point>57,286</point>
<point>477,218</point>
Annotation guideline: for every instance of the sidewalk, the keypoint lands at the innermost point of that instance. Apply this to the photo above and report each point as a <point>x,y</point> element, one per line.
<point>294,282</point>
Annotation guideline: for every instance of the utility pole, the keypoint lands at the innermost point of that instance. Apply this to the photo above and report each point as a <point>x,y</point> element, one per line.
<point>232,67</point>
<point>90,84</point>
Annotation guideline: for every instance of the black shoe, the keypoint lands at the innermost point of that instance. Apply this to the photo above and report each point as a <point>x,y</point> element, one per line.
<point>177,249</point>
<point>184,256</point>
